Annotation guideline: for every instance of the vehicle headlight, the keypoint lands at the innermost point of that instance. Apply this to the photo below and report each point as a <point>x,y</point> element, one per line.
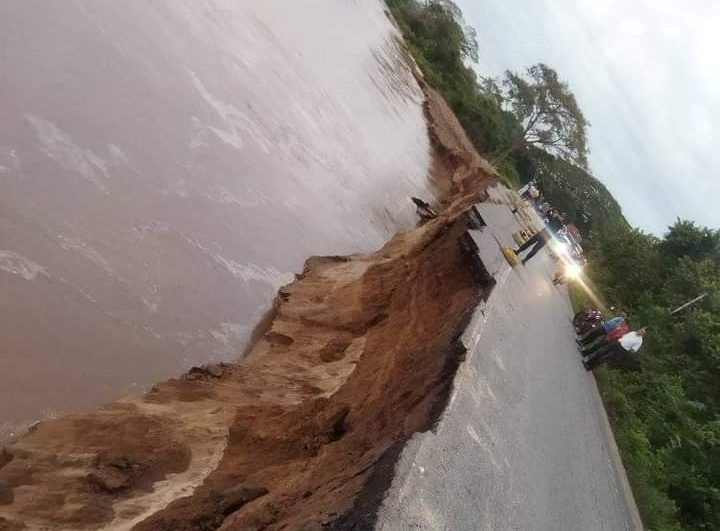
<point>573,270</point>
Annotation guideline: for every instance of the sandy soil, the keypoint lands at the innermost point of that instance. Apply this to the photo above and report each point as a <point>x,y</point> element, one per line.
<point>302,433</point>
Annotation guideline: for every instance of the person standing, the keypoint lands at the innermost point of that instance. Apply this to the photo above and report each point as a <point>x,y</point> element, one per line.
<point>555,221</point>
<point>542,237</point>
<point>535,242</point>
<point>630,342</point>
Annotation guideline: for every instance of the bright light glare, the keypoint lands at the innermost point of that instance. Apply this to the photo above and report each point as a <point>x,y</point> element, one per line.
<point>562,251</point>
<point>573,270</point>
<point>560,248</point>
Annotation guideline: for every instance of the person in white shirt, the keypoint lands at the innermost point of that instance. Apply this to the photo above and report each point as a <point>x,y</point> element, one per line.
<point>630,342</point>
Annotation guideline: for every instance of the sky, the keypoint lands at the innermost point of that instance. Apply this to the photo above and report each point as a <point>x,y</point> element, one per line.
<point>645,74</point>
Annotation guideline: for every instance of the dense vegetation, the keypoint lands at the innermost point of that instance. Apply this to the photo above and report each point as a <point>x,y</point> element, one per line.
<point>528,124</point>
<point>572,189</point>
<point>664,403</point>
<point>441,44</point>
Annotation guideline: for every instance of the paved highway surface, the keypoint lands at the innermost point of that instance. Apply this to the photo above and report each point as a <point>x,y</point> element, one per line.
<point>524,443</point>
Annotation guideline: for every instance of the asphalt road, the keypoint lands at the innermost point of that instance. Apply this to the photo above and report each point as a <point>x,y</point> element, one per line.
<point>524,443</point>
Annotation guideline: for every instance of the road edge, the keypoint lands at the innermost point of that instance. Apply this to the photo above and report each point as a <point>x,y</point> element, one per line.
<point>617,463</point>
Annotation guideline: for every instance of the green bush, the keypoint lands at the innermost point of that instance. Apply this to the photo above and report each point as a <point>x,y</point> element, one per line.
<point>441,44</point>
<point>664,404</point>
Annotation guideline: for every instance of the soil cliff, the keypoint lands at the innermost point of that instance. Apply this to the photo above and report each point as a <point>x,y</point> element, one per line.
<point>301,433</point>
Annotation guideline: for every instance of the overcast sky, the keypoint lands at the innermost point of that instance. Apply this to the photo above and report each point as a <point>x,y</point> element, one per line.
<point>645,74</point>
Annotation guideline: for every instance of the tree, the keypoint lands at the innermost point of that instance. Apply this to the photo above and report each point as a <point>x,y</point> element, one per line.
<point>547,112</point>
<point>469,44</point>
<point>580,196</point>
<point>444,46</point>
<point>684,238</point>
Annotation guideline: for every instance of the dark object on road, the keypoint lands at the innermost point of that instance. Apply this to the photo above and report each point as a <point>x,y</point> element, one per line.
<point>424,210</point>
<point>537,241</point>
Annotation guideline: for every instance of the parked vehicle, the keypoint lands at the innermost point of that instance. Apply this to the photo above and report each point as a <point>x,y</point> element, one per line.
<point>565,246</point>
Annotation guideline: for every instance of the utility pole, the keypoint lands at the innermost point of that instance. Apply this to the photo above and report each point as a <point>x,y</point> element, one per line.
<point>688,303</point>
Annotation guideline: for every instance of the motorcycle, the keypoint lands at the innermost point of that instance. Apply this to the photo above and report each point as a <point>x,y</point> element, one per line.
<point>586,319</point>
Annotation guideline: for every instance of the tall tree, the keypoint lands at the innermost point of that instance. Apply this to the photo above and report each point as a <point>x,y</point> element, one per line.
<point>547,112</point>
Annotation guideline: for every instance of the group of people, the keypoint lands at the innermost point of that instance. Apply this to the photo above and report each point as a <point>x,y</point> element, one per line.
<point>555,227</point>
<point>608,340</point>
<point>598,342</point>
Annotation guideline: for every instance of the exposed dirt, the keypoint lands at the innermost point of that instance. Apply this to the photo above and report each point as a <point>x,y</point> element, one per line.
<point>456,165</point>
<point>301,434</point>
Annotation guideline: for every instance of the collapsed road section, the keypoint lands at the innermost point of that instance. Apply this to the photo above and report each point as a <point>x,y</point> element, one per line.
<point>358,354</point>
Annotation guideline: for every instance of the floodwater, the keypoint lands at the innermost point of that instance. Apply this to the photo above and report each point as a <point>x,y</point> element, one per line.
<point>166,165</point>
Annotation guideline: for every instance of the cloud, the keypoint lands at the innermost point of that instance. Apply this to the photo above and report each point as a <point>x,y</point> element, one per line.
<point>644,75</point>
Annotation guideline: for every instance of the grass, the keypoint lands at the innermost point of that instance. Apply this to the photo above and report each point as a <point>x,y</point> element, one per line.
<point>579,298</point>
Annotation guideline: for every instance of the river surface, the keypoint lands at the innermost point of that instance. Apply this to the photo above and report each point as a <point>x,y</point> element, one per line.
<point>166,165</point>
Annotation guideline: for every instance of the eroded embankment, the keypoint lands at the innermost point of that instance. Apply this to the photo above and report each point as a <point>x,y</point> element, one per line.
<point>301,434</point>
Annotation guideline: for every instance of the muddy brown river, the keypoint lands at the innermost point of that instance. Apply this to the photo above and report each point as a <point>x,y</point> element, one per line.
<point>166,165</point>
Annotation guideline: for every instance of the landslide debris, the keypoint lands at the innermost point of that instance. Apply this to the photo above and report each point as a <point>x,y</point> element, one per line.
<point>302,433</point>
